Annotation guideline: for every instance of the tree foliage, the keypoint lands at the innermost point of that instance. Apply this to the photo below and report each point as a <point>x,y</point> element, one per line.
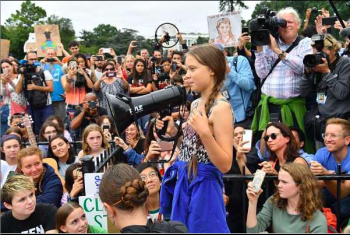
<point>230,5</point>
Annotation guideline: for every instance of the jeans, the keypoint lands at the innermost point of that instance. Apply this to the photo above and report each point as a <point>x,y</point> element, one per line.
<point>39,116</point>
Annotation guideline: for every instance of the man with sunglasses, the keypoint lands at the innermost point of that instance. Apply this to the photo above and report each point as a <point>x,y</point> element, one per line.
<point>39,85</point>
<point>326,85</point>
<point>337,151</point>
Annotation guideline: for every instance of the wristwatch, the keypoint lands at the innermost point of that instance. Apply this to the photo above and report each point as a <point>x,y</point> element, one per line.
<point>282,55</point>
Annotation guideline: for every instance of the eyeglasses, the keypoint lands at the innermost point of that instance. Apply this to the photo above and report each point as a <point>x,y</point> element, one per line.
<point>273,136</point>
<point>50,132</point>
<point>330,135</point>
<point>152,175</point>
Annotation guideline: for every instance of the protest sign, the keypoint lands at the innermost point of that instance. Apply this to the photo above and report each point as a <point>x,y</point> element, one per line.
<point>47,36</point>
<point>94,210</point>
<point>225,29</point>
<point>5,48</point>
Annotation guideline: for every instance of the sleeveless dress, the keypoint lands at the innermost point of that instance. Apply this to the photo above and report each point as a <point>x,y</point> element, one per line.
<point>198,203</point>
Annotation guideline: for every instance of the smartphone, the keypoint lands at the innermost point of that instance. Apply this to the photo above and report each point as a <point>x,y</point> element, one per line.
<point>104,127</point>
<point>135,44</point>
<point>165,145</point>
<point>5,71</point>
<point>50,60</point>
<point>119,60</point>
<point>174,66</point>
<point>107,50</point>
<point>111,74</point>
<point>247,136</point>
<point>72,65</point>
<point>99,57</point>
<point>329,20</point>
<point>258,179</point>
<point>245,30</point>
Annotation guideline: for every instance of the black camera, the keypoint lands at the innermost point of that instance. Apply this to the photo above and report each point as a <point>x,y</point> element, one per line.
<point>80,80</point>
<point>92,104</point>
<point>316,59</point>
<point>162,76</point>
<point>155,59</point>
<point>315,11</point>
<point>26,68</point>
<point>50,60</point>
<point>266,23</point>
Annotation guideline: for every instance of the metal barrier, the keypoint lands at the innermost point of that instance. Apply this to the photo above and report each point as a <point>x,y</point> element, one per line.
<point>338,177</point>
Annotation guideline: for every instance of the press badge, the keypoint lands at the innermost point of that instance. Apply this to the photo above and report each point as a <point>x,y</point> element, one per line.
<point>321,98</point>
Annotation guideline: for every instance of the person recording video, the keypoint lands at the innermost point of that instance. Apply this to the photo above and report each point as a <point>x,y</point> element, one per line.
<point>326,78</point>
<point>88,113</point>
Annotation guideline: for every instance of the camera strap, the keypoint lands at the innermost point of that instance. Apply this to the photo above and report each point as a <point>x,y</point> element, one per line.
<point>294,44</point>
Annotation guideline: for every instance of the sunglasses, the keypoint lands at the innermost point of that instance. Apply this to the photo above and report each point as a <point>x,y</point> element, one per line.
<point>111,69</point>
<point>273,136</point>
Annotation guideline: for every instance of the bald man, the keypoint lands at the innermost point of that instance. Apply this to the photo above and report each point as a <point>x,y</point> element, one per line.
<point>52,64</point>
<point>87,114</point>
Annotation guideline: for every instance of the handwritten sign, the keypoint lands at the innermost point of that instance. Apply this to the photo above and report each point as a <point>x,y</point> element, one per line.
<point>47,36</point>
<point>5,48</point>
<point>94,210</point>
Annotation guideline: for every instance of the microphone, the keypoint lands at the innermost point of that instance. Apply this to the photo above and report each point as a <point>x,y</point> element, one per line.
<point>345,32</point>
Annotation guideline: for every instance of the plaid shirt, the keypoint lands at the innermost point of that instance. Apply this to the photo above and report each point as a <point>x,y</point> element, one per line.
<point>284,81</point>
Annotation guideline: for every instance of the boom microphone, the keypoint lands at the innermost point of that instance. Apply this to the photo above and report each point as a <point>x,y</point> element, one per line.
<point>123,114</point>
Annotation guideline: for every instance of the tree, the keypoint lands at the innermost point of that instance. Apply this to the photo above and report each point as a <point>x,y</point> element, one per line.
<point>229,5</point>
<point>65,25</point>
<point>19,25</point>
<point>202,40</point>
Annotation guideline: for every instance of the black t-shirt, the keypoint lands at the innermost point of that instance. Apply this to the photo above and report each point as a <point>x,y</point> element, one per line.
<point>40,221</point>
<point>87,120</point>
<point>140,83</point>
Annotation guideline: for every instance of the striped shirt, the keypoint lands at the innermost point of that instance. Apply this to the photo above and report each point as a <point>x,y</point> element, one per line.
<point>284,81</point>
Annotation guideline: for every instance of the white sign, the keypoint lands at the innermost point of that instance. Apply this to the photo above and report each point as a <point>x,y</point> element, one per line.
<point>94,210</point>
<point>225,29</point>
<point>92,183</point>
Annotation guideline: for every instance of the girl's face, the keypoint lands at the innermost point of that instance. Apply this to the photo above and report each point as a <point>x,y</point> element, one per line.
<point>131,132</point>
<point>11,149</point>
<point>276,144</point>
<point>139,67</point>
<point>8,67</point>
<point>81,62</point>
<point>200,77</point>
<point>94,140</point>
<point>60,148</point>
<point>184,114</point>
<point>223,29</point>
<point>286,186</point>
<point>32,166</point>
<point>166,67</point>
<point>150,177</point>
<point>238,134</point>
<point>23,203</point>
<point>50,132</point>
<point>129,62</point>
<point>76,222</point>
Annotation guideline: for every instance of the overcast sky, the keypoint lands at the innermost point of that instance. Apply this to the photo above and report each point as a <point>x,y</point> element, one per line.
<point>143,16</point>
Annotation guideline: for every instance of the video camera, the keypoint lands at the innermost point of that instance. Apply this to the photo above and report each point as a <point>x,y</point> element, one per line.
<point>316,59</point>
<point>26,68</point>
<point>266,23</point>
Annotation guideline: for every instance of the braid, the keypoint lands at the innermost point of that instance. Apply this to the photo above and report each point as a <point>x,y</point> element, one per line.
<point>194,161</point>
<point>133,194</point>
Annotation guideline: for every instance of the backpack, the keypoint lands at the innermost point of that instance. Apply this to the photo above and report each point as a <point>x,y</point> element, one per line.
<point>331,221</point>
<point>36,99</point>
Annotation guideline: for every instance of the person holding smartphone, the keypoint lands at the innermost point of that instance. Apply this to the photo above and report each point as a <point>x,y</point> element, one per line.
<point>111,82</point>
<point>108,127</point>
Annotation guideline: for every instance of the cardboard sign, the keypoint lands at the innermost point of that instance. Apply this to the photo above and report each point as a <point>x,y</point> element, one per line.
<point>47,36</point>
<point>94,210</point>
<point>92,183</point>
<point>225,29</point>
<point>5,48</point>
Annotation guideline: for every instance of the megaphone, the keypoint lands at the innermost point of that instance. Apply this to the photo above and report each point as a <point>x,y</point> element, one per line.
<point>123,108</point>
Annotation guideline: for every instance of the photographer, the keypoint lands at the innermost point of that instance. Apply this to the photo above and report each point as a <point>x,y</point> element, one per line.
<point>37,86</point>
<point>87,114</point>
<point>161,77</point>
<point>327,81</point>
<point>96,64</point>
<point>52,64</point>
<point>281,91</point>
<point>176,64</point>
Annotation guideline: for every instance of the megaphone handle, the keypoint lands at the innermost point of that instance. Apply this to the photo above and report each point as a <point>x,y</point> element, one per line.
<point>163,130</point>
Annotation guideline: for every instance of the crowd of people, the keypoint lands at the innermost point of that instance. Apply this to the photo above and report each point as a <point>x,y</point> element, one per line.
<point>301,126</point>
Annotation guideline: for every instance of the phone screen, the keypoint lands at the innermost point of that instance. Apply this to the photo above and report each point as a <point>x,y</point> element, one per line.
<point>72,65</point>
<point>165,146</point>
<point>247,136</point>
<point>120,60</point>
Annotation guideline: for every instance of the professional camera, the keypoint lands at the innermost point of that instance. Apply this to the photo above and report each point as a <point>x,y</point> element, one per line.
<point>80,81</point>
<point>266,23</point>
<point>26,68</point>
<point>315,11</point>
<point>316,59</point>
<point>162,76</point>
<point>92,104</point>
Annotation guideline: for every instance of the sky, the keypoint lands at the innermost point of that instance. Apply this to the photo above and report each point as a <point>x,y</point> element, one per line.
<point>143,16</point>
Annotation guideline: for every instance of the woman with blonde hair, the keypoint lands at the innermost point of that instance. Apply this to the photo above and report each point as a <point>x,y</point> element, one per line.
<point>94,142</point>
<point>295,207</point>
<point>225,36</point>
